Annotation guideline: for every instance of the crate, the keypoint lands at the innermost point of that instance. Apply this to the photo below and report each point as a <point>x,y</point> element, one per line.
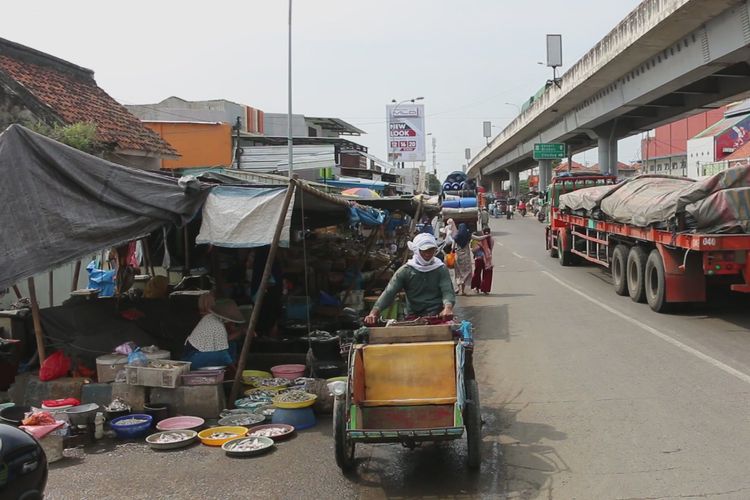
<point>108,365</point>
<point>203,377</point>
<point>157,377</point>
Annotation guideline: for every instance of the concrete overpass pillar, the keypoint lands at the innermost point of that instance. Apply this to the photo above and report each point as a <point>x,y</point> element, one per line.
<point>493,185</point>
<point>607,143</point>
<point>613,157</point>
<point>514,182</point>
<point>603,144</point>
<point>545,174</point>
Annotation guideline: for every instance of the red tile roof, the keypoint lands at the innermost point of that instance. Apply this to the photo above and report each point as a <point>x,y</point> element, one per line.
<point>71,93</point>
<point>576,167</point>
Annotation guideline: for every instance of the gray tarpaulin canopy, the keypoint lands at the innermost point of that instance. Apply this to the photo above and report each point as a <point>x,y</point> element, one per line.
<point>59,204</point>
<point>717,204</point>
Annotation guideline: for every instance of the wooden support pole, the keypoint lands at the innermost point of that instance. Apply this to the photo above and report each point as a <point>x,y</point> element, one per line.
<point>17,292</point>
<point>76,275</point>
<point>261,293</point>
<point>51,289</point>
<point>37,322</point>
<point>147,257</point>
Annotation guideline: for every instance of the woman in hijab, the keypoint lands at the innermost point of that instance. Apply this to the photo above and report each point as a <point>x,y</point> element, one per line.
<point>482,279</point>
<point>425,280</point>
<point>462,247</point>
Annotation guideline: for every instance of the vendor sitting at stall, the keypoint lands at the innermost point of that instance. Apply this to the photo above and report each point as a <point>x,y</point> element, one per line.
<point>208,344</point>
<point>425,280</point>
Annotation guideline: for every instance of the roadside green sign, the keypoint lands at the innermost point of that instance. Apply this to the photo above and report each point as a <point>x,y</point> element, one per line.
<point>550,151</point>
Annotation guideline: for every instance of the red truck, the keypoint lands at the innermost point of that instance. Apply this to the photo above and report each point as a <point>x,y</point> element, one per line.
<point>651,265</point>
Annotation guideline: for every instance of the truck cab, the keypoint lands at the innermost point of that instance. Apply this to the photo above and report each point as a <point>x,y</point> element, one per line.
<point>561,184</point>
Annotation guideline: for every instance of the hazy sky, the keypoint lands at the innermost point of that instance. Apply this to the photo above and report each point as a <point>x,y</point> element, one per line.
<point>351,57</point>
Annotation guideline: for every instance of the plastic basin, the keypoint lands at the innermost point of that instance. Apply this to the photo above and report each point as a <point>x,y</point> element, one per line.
<point>180,423</point>
<point>12,415</point>
<point>131,431</point>
<point>82,414</point>
<point>256,373</point>
<point>235,431</point>
<point>290,372</point>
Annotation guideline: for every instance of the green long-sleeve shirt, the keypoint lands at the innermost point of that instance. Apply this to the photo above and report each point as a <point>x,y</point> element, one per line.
<point>426,293</point>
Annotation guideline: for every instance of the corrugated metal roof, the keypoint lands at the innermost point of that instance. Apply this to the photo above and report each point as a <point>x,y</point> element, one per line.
<point>275,158</point>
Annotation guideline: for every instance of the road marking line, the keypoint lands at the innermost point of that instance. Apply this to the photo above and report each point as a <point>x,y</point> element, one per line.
<point>653,331</point>
<point>518,255</point>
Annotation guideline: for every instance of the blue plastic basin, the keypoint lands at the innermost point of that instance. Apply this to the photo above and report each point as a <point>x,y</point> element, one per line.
<point>134,430</point>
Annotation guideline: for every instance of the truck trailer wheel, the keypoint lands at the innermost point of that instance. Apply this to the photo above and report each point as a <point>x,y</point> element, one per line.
<point>618,267</point>
<point>655,282</point>
<point>636,272</point>
<point>550,248</point>
<point>564,256</point>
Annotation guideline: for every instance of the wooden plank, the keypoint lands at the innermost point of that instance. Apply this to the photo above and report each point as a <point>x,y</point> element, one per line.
<point>407,417</point>
<point>418,333</point>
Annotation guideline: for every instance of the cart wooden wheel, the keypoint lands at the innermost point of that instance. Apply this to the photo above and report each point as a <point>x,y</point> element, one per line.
<point>344,447</point>
<point>473,423</point>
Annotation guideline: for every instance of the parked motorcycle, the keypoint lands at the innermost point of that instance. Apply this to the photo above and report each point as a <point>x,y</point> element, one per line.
<point>509,213</point>
<point>541,216</point>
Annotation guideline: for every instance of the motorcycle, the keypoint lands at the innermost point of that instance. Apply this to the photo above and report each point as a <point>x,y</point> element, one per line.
<point>509,213</point>
<point>523,212</point>
<point>540,216</point>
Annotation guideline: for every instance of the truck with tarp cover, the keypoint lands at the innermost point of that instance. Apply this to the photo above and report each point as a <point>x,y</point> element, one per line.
<point>663,238</point>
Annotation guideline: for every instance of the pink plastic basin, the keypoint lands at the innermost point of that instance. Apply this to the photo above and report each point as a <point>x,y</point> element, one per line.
<point>288,371</point>
<point>180,423</point>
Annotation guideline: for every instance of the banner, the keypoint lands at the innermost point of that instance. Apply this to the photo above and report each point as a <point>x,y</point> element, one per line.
<point>406,137</point>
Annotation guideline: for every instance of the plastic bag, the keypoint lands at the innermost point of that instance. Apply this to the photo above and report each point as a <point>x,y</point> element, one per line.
<point>126,348</point>
<point>57,365</point>
<point>137,358</point>
<point>450,260</point>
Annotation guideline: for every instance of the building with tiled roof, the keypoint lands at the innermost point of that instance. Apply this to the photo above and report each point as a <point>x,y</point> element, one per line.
<point>38,87</point>
<point>574,167</point>
<point>623,169</point>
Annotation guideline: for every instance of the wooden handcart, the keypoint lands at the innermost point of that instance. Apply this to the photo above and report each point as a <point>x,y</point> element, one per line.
<point>408,384</point>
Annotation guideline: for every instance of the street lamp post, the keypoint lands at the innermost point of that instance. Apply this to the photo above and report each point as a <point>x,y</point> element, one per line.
<point>393,111</point>
<point>289,113</point>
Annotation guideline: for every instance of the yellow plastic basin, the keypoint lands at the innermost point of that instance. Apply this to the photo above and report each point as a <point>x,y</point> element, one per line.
<point>236,431</point>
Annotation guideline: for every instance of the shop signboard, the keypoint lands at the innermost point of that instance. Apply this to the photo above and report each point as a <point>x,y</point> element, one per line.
<point>406,137</point>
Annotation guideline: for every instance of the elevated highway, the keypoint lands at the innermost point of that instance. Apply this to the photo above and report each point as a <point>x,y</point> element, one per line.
<point>665,60</point>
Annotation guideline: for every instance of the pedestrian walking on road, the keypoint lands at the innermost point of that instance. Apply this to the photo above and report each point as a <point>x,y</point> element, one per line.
<point>484,218</point>
<point>462,248</point>
<point>482,279</point>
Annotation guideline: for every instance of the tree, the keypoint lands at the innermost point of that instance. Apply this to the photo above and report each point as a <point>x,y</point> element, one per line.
<point>81,135</point>
<point>433,184</point>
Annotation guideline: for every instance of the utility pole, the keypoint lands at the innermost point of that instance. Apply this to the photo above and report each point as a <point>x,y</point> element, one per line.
<point>434,156</point>
<point>290,152</point>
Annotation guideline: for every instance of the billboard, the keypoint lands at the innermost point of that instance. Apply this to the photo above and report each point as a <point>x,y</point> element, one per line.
<point>405,132</point>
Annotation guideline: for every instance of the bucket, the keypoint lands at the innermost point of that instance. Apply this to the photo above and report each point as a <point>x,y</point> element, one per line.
<point>158,411</point>
<point>300,418</point>
<point>290,372</point>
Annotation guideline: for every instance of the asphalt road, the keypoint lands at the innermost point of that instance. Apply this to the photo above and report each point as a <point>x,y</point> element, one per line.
<point>585,395</point>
